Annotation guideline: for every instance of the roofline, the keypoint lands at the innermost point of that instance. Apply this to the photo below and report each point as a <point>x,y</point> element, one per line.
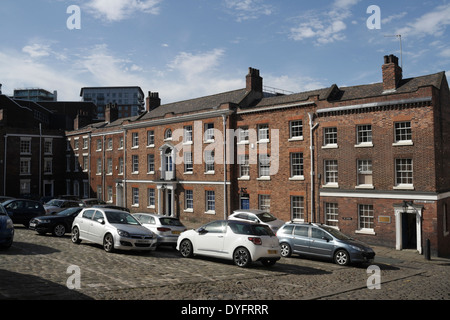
<point>112,87</point>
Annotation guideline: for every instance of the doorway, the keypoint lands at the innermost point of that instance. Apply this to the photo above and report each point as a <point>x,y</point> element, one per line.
<point>409,231</point>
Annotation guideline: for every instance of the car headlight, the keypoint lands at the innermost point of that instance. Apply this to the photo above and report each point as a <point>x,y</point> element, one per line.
<point>356,248</point>
<point>123,233</point>
<point>9,224</point>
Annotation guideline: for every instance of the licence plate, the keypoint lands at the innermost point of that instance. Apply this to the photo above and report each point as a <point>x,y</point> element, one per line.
<point>32,224</point>
<point>272,251</point>
<point>142,241</point>
<point>176,232</point>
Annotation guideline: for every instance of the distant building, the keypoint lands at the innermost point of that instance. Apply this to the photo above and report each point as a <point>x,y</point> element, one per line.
<point>130,100</point>
<point>35,94</point>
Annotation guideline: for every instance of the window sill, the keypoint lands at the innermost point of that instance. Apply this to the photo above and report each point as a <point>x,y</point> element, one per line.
<point>189,172</point>
<point>364,145</point>
<point>330,146</point>
<point>365,186</point>
<point>210,212</point>
<point>404,187</point>
<point>244,178</point>
<point>331,185</point>
<point>403,143</point>
<point>264,178</point>
<point>365,231</point>
<point>297,178</point>
<point>210,172</point>
<point>296,138</point>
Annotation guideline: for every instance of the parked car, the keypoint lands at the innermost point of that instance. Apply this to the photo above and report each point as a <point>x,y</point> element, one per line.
<point>239,241</point>
<point>114,229</point>
<point>57,205</point>
<point>111,206</point>
<point>6,229</point>
<point>167,229</point>
<point>23,210</point>
<point>257,216</point>
<point>322,241</point>
<point>92,201</point>
<point>58,224</point>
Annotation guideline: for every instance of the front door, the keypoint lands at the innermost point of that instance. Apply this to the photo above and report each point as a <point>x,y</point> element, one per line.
<point>245,203</point>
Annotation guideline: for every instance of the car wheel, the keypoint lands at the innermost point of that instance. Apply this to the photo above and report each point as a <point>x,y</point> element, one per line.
<point>342,258</point>
<point>108,243</point>
<point>241,257</point>
<point>76,235</point>
<point>186,248</point>
<point>268,262</point>
<point>286,250</point>
<point>59,230</point>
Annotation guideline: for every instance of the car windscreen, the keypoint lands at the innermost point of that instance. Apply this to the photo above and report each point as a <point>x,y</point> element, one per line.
<point>336,233</point>
<point>68,212</point>
<point>266,217</point>
<point>121,217</point>
<point>170,222</point>
<point>251,229</point>
<point>55,202</point>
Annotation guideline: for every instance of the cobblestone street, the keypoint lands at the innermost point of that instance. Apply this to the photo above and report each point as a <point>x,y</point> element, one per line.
<point>36,267</point>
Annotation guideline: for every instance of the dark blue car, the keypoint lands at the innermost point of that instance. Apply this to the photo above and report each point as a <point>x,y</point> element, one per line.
<point>6,229</point>
<point>23,210</point>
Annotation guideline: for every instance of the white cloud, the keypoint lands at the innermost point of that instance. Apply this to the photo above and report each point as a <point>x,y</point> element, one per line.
<point>432,23</point>
<point>248,9</point>
<point>37,50</point>
<point>116,10</point>
<point>324,26</point>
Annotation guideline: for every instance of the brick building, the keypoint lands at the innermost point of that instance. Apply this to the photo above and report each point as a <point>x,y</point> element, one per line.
<point>370,160</point>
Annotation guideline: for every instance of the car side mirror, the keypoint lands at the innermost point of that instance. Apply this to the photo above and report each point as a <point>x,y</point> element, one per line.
<point>326,238</point>
<point>101,221</point>
<point>202,231</point>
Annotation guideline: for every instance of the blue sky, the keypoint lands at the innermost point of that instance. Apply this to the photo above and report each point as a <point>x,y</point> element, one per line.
<point>189,48</point>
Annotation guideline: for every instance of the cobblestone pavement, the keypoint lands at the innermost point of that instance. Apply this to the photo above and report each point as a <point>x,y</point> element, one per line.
<point>36,267</point>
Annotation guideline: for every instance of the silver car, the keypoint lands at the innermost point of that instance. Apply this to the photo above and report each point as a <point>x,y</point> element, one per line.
<point>114,229</point>
<point>316,240</point>
<point>167,229</point>
<point>257,216</point>
<point>56,205</point>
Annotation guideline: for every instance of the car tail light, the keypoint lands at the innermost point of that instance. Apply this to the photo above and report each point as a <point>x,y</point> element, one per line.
<point>255,240</point>
<point>162,229</point>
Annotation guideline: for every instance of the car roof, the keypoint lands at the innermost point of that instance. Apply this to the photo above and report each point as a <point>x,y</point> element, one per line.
<point>155,215</point>
<point>254,211</point>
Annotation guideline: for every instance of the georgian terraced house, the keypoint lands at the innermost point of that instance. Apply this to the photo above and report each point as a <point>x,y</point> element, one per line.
<point>371,160</point>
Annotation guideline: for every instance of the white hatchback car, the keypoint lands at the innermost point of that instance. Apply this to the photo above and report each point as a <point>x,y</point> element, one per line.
<point>242,242</point>
<point>257,216</point>
<point>114,229</point>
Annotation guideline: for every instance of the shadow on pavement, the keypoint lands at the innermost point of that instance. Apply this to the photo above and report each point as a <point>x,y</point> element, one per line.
<point>17,286</point>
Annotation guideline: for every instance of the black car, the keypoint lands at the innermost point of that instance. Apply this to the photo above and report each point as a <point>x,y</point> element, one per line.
<point>23,210</point>
<point>57,224</point>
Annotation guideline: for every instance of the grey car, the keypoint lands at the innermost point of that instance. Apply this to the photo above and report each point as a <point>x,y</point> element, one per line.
<point>166,228</point>
<point>317,240</point>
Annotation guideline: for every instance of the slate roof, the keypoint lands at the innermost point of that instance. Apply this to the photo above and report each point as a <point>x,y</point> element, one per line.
<point>335,93</point>
<point>196,105</point>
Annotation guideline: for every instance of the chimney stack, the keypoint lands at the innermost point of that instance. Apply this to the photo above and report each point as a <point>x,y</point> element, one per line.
<point>82,119</point>
<point>253,81</point>
<point>111,112</point>
<point>392,73</point>
<point>153,101</point>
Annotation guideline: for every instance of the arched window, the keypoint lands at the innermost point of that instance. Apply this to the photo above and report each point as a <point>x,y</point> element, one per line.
<point>168,134</point>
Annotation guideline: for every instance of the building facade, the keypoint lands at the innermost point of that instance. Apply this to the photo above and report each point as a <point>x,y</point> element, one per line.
<point>130,100</point>
<point>370,160</point>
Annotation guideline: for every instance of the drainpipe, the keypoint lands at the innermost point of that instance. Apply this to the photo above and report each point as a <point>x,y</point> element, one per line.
<point>4,165</point>
<point>40,158</point>
<point>311,147</point>
<point>225,205</point>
